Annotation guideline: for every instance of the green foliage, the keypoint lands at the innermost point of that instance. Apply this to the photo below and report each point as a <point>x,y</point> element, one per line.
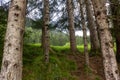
<point>81,48</point>
<point>3,22</point>
<point>32,35</point>
<point>37,23</point>
<point>3,16</point>
<point>79,40</point>
<point>87,69</point>
<point>61,49</point>
<point>56,38</point>
<point>97,78</point>
<point>52,71</point>
<point>2,33</point>
<point>35,68</point>
<point>66,48</point>
<point>30,52</point>
<point>67,44</point>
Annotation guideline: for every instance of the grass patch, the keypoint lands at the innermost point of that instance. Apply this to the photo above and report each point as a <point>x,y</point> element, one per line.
<point>35,68</point>
<point>87,70</point>
<point>30,52</point>
<point>61,49</point>
<point>81,48</point>
<point>59,67</point>
<point>66,48</point>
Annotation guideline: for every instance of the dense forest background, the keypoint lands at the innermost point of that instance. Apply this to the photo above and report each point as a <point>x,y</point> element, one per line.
<point>59,39</point>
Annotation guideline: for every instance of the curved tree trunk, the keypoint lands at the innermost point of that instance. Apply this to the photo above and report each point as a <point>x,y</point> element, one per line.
<point>45,32</point>
<point>92,27</point>
<point>73,46</point>
<point>13,46</point>
<point>109,60</point>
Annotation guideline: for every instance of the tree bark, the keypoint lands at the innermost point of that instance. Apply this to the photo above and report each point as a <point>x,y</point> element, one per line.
<point>13,46</point>
<point>109,60</point>
<point>118,48</point>
<point>92,27</point>
<point>73,46</point>
<point>84,27</point>
<point>45,32</point>
<point>116,23</point>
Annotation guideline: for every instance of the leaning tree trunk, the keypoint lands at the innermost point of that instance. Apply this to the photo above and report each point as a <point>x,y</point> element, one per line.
<point>45,32</point>
<point>73,46</point>
<point>109,60</point>
<point>13,47</point>
<point>84,27</point>
<point>92,27</point>
<point>115,7</point>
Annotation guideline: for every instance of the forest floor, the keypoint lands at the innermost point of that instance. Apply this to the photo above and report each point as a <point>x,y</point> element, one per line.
<point>63,65</point>
<point>95,72</point>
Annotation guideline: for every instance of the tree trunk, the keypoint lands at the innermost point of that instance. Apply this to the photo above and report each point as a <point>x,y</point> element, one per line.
<point>109,60</point>
<point>92,27</point>
<point>118,48</point>
<point>84,27</point>
<point>73,46</point>
<point>45,32</point>
<point>13,47</point>
<point>116,23</point>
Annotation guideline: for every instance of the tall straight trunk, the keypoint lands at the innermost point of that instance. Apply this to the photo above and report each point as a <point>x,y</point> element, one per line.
<point>116,23</point>
<point>13,47</point>
<point>73,46</point>
<point>84,27</point>
<point>45,33</point>
<point>92,27</point>
<point>109,60</point>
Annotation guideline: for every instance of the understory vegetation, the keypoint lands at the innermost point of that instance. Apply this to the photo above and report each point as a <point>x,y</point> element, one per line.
<point>59,39</point>
<point>59,66</point>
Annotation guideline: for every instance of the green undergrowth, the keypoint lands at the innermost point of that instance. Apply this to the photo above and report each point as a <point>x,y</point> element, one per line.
<point>58,68</point>
<point>66,49</point>
<point>87,69</point>
<point>59,49</point>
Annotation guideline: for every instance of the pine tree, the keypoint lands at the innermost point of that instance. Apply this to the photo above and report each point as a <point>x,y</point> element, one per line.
<point>92,27</point>
<point>13,45</point>
<point>45,31</point>
<point>109,60</point>
<point>84,27</point>
<point>73,46</point>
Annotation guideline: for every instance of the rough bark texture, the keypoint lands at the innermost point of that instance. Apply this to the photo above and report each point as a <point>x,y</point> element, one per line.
<point>73,46</point>
<point>45,34</point>
<point>84,27</point>
<point>92,27</point>
<point>115,7</point>
<point>13,46</point>
<point>109,60</point>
